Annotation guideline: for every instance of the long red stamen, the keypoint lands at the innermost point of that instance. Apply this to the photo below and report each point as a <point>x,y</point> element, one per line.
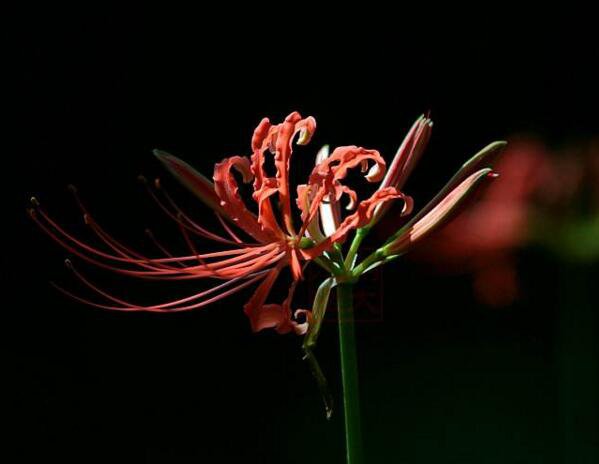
<point>191,272</point>
<point>229,230</point>
<point>141,258</point>
<point>160,309</point>
<point>161,247</point>
<point>226,266</point>
<point>169,304</point>
<point>194,224</point>
<point>125,252</point>
<point>193,229</point>
<point>193,249</point>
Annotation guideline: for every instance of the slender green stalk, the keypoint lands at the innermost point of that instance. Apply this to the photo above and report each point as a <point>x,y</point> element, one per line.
<point>349,373</point>
<point>328,265</point>
<point>355,245</point>
<point>377,255</point>
<point>336,254</point>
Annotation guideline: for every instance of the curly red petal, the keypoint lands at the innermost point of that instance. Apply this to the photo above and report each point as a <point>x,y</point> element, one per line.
<point>359,218</point>
<point>336,166</point>
<point>227,190</point>
<point>274,316</point>
<point>282,156</point>
<point>278,140</point>
<point>324,181</point>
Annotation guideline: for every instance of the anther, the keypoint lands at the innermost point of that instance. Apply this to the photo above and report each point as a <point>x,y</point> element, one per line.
<point>35,202</point>
<point>68,263</point>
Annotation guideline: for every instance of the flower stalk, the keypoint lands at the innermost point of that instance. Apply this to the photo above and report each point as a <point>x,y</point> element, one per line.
<point>349,373</point>
<point>355,246</point>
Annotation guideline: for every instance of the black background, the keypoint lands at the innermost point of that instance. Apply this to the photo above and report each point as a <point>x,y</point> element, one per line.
<point>443,378</point>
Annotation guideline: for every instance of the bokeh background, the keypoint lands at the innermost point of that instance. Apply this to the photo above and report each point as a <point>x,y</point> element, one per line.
<point>486,348</point>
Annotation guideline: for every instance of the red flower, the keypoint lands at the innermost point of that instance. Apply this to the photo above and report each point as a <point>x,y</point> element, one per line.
<point>274,245</point>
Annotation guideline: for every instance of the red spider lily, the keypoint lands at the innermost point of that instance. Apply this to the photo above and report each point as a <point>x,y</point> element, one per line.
<point>276,242</point>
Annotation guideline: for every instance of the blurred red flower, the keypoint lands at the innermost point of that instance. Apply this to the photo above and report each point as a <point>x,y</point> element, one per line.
<point>482,238</point>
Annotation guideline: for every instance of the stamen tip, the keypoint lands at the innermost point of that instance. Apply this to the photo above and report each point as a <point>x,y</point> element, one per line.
<point>142,179</point>
<point>68,263</point>
<point>86,219</point>
<point>34,201</point>
<point>157,182</point>
<point>72,188</point>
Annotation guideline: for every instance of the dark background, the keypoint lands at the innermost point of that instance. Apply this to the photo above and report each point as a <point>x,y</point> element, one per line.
<point>443,379</point>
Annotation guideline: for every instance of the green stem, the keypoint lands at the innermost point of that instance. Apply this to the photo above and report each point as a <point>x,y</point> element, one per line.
<point>336,254</point>
<point>378,255</point>
<point>355,245</point>
<point>328,265</point>
<point>349,373</point>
